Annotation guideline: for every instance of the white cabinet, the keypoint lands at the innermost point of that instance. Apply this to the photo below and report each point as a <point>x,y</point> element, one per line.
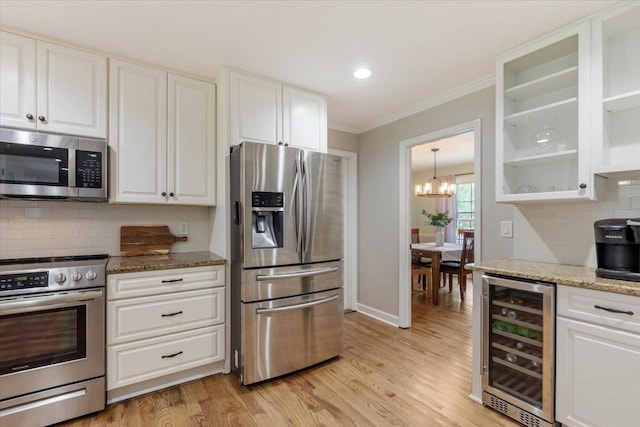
<point>597,358</point>
<point>162,137</point>
<point>52,88</point>
<point>542,119</point>
<point>616,91</point>
<point>269,112</point>
<point>163,322</point>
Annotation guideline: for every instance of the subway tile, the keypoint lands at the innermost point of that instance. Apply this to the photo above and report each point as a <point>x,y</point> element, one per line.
<point>51,243</point>
<point>12,212</point>
<point>12,233</point>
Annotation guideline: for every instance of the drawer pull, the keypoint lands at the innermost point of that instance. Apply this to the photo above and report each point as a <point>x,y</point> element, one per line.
<point>172,314</point>
<point>169,356</point>
<point>172,281</point>
<point>613,310</point>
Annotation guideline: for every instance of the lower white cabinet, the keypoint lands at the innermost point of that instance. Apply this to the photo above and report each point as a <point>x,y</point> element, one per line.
<point>597,357</point>
<point>163,322</point>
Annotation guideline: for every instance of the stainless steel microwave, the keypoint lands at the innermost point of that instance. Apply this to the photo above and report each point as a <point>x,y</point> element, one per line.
<point>35,165</point>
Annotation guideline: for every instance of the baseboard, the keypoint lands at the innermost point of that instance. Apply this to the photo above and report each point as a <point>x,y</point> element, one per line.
<point>475,398</point>
<point>378,315</point>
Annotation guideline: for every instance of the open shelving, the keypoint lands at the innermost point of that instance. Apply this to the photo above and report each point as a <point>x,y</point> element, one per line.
<point>548,83</point>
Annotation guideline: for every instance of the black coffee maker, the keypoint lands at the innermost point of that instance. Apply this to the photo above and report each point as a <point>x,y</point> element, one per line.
<point>618,248</point>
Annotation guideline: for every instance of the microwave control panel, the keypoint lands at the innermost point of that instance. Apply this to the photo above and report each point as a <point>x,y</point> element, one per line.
<point>88,169</point>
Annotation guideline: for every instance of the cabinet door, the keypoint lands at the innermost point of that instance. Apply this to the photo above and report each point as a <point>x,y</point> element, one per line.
<point>138,142</point>
<point>304,119</point>
<point>72,91</point>
<point>17,81</point>
<point>616,91</point>
<point>191,141</point>
<point>542,120</point>
<point>597,377</point>
<point>256,110</point>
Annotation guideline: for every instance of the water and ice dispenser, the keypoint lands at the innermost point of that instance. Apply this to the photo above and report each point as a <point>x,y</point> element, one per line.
<point>267,215</point>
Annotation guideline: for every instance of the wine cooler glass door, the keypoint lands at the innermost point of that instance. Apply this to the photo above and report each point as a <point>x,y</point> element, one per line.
<point>519,343</point>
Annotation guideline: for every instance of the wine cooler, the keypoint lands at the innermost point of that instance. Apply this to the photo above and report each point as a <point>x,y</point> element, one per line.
<point>519,349</point>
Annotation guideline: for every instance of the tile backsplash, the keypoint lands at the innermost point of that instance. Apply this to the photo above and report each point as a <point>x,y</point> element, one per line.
<point>563,232</point>
<point>44,228</point>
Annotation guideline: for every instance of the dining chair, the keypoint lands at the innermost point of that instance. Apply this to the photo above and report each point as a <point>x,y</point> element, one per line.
<point>420,268</point>
<point>457,267</point>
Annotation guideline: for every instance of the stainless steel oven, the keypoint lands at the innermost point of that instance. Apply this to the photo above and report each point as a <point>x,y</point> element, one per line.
<point>518,377</point>
<point>52,323</point>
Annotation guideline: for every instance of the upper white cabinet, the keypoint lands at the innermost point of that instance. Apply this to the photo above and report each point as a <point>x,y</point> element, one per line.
<point>542,119</point>
<point>261,110</point>
<point>52,88</point>
<point>162,137</point>
<point>616,91</point>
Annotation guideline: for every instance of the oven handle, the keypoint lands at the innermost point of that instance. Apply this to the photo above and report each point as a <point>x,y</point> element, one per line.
<point>27,304</point>
<point>297,306</point>
<point>304,273</point>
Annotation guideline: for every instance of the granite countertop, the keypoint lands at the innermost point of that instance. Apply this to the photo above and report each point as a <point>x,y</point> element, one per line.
<point>130,264</point>
<point>571,275</point>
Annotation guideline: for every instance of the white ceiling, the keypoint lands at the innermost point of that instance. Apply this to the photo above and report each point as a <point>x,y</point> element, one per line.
<point>417,50</point>
<point>455,150</point>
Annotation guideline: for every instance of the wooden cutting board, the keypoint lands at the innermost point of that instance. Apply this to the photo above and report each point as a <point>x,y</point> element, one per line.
<point>146,240</point>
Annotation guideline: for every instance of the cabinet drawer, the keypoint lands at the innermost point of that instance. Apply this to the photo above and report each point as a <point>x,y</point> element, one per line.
<point>592,306</point>
<point>127,285</point>
<point>146,317</point>
<point>143,360</point>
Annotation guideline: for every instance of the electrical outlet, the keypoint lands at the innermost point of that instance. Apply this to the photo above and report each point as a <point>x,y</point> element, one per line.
<point>183,228</point>
<point>506,229</point>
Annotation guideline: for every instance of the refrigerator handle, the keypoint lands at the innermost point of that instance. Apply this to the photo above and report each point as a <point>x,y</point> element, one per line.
<point>307,207</point>
<point>297,203</point>
<point>304,273</point>
<point>236,213</point>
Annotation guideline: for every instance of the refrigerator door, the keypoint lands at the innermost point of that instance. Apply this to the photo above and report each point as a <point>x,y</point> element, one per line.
<point>322,200</point>
<point>268,283</point>
<point>270,235</point>
<point>284,335</point>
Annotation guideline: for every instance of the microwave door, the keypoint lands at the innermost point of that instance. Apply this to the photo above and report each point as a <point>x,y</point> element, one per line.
<point>270,185</point>
<point>323,214</point>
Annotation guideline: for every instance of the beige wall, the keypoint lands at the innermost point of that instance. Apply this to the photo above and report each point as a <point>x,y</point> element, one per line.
<point>378,182</point>
<point>340,140</point>
<point>42,229</point>
<point>420,203</point>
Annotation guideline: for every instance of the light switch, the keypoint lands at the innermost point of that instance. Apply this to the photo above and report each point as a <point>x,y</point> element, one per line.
<point>183,228</point>
<point>506,229</point>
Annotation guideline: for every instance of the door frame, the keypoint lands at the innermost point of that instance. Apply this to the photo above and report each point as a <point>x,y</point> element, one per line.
<point>350,221</point>
<point>405,194</point>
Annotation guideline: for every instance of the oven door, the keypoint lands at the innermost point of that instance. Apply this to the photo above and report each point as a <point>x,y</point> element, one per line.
<point>37,165</point>
<point>48,340</point>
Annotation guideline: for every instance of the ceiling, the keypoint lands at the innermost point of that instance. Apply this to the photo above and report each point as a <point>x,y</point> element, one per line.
<point>417,50</point>
<point>454,150</point>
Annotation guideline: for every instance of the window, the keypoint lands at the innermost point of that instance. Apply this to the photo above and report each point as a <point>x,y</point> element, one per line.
<point>465,202</point>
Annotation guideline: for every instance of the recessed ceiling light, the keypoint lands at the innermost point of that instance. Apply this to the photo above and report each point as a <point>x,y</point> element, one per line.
<point>362,73</point>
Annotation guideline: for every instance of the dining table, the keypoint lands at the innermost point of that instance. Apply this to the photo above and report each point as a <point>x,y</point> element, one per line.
<point>446,252</point>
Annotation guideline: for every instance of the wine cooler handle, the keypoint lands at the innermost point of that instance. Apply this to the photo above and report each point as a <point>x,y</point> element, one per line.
<point>613,310</point>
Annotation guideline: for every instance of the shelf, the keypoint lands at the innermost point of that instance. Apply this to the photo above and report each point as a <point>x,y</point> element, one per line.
<point>518,353</point>
<point>546,84</point>
<point>515,367</point>
<point>530,322</point>
<point>527,388</point>
<point>544,114</point>
<point>623,102</point>
<point>537,343</point>
<point>542,158</point>
<point>530,308</point>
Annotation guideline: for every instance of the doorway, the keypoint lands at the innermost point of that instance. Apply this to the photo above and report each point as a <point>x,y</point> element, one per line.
<point>406,211</point>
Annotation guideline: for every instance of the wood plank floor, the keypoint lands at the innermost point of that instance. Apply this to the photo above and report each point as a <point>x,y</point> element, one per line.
<point>385,377</point>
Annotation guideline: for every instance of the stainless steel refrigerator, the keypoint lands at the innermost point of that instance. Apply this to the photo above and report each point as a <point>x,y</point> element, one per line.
<point>286,260</point>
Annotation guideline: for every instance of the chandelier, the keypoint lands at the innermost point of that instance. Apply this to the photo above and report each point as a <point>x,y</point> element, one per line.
<point>435,187</point>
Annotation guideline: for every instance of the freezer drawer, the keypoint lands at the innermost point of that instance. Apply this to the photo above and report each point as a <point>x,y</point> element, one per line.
<point>268,283</point>
<point>288,334</point>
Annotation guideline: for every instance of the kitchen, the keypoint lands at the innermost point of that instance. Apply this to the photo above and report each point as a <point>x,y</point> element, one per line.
<point>40,228</point>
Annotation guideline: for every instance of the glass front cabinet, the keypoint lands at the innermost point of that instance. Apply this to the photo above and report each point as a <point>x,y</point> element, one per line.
<point>542,119</point>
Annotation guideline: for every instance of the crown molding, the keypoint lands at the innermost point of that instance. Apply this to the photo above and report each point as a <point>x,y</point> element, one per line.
<point>343,128</point>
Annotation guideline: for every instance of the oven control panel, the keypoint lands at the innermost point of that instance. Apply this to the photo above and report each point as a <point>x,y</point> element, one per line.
<point>13,282</point>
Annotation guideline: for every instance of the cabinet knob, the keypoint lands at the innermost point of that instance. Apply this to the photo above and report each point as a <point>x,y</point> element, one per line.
<point>171,194</point>
<point>279,142</point>
<point>583,185</point>
<point>164,193</point>
<point>30,116</point>
<point>42,118</point>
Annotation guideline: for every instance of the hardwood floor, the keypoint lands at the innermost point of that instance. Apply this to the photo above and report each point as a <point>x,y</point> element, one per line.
<point>386,376</point>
